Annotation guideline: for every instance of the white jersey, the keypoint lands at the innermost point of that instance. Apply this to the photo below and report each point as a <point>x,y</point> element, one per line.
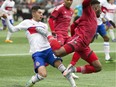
<point>37,41</point>
<point>8,7</point>
<point>99,20</point>
<point>110,10</point>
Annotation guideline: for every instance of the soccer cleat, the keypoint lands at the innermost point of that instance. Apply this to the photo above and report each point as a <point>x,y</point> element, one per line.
<point>69,70</point>
<point>74,76</point>
<point>8,41</point>
<point>1,28</point>
<point>74,86</point>
<point>114,40</point>
<point>110,61</point>
<point>29,83</point>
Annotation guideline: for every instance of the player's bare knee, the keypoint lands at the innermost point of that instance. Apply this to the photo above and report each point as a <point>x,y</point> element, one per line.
<point>106,39</point>
<point>98,68</point>
<point>44,75</point>
<point>57,53</point>
<point>60,53</point>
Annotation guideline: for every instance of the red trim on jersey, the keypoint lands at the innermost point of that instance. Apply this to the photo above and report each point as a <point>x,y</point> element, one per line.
<point>8,8</point>
<point>104,9</point>
<point>32,30</point>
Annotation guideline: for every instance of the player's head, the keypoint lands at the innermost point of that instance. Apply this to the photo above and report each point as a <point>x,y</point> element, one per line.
<point>68,3</point>
<point>110,1</point>
<point>37,13</point>
<point>96,7</point>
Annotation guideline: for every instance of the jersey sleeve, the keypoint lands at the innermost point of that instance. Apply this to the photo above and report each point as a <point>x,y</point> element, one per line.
<point>56,12</point>
<point>3,7</point>
<point>16,28</point>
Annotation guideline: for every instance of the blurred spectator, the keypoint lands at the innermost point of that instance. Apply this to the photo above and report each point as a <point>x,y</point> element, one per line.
<point>58,2</point>
<point>18,13</point>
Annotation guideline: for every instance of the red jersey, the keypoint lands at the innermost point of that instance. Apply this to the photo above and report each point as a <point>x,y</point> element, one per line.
<point>87,23</point>
<point>62,19</point>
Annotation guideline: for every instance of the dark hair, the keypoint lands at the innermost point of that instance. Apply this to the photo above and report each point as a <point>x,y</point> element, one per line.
<point>35,8</point>
<point>94,2</point>
<point>108,0</point>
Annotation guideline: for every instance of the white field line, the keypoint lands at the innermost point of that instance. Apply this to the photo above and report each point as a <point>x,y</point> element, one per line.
<point>24,54</point>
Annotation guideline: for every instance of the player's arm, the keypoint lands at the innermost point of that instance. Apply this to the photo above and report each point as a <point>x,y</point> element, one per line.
<point>53,17</point>
<point>51,24</point>
<point>3,7</point>
<point>11,27</point>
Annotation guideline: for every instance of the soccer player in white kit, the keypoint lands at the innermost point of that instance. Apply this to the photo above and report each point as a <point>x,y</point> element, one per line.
<point>8,7</point>
<point>102,31</point>
<point>109,8</point>
<point>39,46</point>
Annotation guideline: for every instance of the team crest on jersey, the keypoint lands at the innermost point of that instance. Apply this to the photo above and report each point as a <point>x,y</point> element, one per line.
<point>37,63</point>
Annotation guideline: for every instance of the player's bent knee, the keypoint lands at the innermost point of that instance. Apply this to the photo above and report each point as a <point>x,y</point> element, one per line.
<point>44,75</point>
<point>98,68</point>
<point>60,53</point>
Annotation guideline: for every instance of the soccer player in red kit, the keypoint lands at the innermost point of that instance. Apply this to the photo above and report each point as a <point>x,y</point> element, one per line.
<point>85,29</point>
<point>59,22</point>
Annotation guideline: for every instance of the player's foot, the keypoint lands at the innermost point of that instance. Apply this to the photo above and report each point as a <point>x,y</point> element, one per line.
<point>74,86</point>
<point>110,61</point>
<point>74,76</point>
<point>1,28</point>
<point>69,70</point>
<point>114,40</point>
<point>8,41</point>
<point>29,83</point>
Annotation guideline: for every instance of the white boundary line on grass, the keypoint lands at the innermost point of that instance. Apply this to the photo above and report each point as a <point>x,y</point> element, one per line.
<point>26,54</point>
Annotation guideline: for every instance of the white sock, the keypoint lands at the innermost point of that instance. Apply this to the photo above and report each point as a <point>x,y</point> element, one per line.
<point>107,50</point>
<point>69,77</point>
<point>111,32</point>
<point>71,80</point>
<point>8,35</point>
<point>61,68</point>
<point>1,28</point>
<point>36,78</point>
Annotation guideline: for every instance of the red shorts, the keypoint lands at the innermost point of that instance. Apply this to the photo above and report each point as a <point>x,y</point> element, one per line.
<point>84,51</point>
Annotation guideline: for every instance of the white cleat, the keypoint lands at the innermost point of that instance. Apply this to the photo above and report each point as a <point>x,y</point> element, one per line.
<point>29,83</point>
<point>74,76</point>
<point>70,69</point>
<point>74,86</point>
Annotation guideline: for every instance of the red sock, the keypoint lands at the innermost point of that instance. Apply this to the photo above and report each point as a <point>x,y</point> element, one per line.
<point>86,69</point>
<point>75,58</point>
<point>55,45</point>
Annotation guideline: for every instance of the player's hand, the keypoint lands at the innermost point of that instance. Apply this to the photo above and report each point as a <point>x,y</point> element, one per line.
<point>4,16</point>
<point>54,33</point>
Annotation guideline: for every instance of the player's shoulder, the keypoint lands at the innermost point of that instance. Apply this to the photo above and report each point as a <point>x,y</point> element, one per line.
<point>27,20</point>
<point>43,24</point>
<point>59,7</point>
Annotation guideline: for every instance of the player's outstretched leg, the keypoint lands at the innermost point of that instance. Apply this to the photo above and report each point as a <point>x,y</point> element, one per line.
<point>70,69</point>
<point>74,76</point>
<point>8,37</point>
<point>33,80</point>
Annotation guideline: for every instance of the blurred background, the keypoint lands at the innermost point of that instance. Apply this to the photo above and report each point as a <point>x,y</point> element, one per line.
<point>23,7</point>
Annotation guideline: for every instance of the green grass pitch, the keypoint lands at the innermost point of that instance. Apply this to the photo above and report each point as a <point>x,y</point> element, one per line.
<point>16,66</point>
